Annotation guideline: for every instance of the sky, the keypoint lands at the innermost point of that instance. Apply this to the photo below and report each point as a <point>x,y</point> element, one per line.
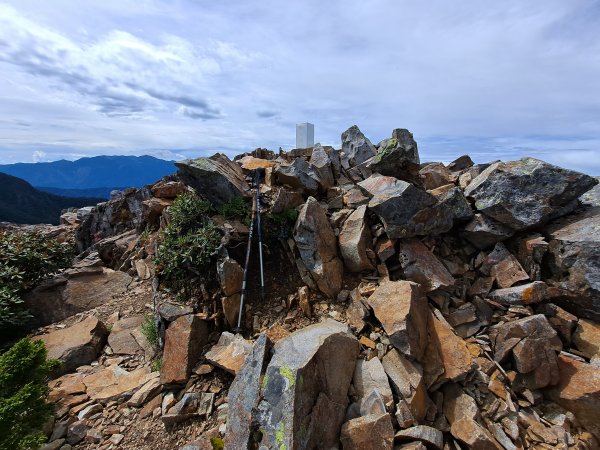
<point>178,79</point>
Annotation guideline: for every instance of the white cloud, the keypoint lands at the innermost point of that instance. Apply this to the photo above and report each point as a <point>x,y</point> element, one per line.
<point>39,156</point>
<point>124,77</point>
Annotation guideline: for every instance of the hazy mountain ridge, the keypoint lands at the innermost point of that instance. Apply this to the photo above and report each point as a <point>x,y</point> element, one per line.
<point>101,192</point>
<point>95,172</point>
<point>22,203</point>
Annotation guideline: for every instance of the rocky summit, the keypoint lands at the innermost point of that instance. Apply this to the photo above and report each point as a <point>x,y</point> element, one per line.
<point>407,305</point>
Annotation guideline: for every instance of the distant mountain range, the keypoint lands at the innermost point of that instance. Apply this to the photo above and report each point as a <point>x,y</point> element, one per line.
<point>101,192</point>
<point>104,172</point>
<point>22,203</point>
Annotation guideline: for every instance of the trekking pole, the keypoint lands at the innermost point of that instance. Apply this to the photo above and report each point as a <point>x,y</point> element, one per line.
<point>243,294</point>
<point>260,252</point>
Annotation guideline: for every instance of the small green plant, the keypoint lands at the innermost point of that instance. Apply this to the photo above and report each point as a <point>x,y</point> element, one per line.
<point>157,364</point>
<point>236,208</point>
<point>144,236</point>
<point>149,329</point>
<point>188,242</point>
<point>24,371</point>
<point>25,260</point>
<point>282,224</point>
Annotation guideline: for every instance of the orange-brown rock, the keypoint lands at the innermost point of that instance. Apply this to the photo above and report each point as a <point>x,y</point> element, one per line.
<point>230,352</point>
<point>401,308</point>
<point>421,266</point>
<point>76,345</point>
<point>168,189</point>
<point>368,433</point>
<point>317,245</point>
<point>184,340</point>
<point>586,338</point>
<point>579,392</point>
<point>407,381</point>
<point>355,240</point>
<point>453,351</point>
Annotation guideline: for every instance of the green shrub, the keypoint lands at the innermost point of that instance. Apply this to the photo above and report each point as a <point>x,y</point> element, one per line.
<point>157,364</point>
<point>236,208</point>
<point>281,224</point>
<point>24,371</point>
<point>149,330</point>
<point>25,260</point>
<point>189,211</point>
<point>188,241</point>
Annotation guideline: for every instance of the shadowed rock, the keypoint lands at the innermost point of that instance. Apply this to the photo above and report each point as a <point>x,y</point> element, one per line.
<point>404,209</point>
<point>316,243</point>
<point>216,178</point>
<point>356,146</point>
<point>305,390</point>
<point>244,396</point>
<point>528,192</point>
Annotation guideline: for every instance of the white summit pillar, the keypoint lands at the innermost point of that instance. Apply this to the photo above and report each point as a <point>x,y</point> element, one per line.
<point>305,135</point>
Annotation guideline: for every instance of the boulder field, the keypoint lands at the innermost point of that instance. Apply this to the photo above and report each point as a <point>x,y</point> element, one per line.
<point>411,305</point>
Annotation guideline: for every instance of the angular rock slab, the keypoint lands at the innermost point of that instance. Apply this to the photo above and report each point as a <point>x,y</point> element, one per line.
<point>574,251</point>
<point>402,309</point>
<point>435,175</point>
<point>230,352</point>
<point>454,199</point>
<point>407,381</point>
<point>305,389</point>
<point>76,345</point>
<point>74,291</point>
<point>404,209</point>
<point>525,294</point>
<point>368,433</point>
<point>397,157</point>
<point>369,376</point>
<point>483,231</point>
<point>316,243</point>
<point>217,178</point>
<point>453,351</point>
<point>356,146</point>
<point>114,382</point>
<point>504,267</point>
<point>231,276</point>
<point>244,395</point>
<point>534,345</point>
<point>586,338</point>
<point>355,239</point>
<point>421,266</point>
<point>430,436</point>
<point>184,340</point>
<point>526,193</point>
<point>579,392</point>
<point>299,175</point>
<point>121,339</point>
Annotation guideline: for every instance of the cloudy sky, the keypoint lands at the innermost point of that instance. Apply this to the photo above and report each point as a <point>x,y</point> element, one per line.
<point>497,80</point>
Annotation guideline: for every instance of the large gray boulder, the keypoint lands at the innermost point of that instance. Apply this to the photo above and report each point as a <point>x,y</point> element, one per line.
<point>299,175</point>
<point>76,345</point>
<point>73,291</point>
<point>217,178</point>
<point>356,146</point>
<point>404,209</point>
<point>323,166</point>
<point>305,388</point>
<point>355,240</point>
<point>124,211</point>
<point>398,157</point>
<point>317,245</point>
<point>574,260</point>
<point>483,231</point>
<point>528,192</point>
<point>244,395</point>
